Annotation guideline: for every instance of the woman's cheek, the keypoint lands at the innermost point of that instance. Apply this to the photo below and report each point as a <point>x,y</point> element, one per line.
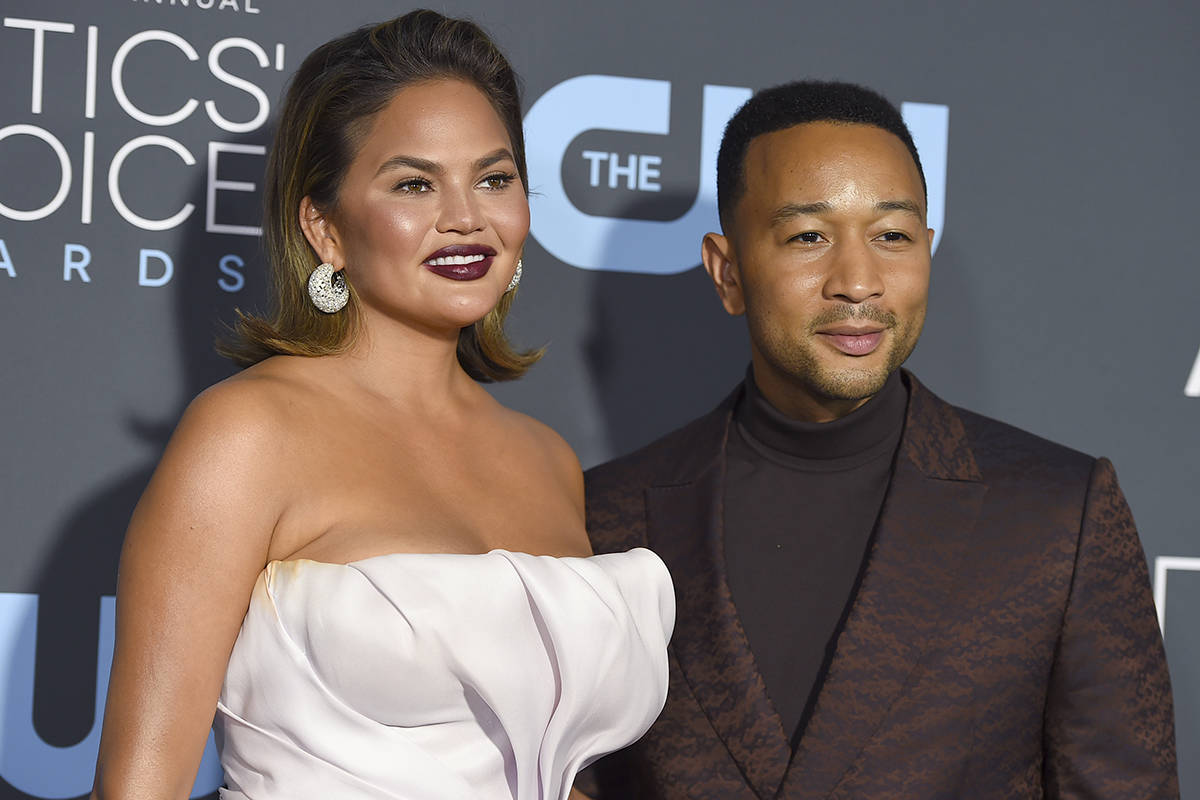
<point>512,220</point>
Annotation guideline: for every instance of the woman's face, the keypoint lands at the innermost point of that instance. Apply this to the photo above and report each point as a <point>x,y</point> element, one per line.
<point>431,215</point>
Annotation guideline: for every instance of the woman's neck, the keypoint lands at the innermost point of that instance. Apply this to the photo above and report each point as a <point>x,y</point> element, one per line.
<point>406,366</point>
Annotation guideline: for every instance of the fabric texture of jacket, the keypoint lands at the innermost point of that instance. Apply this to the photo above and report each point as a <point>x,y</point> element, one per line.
<point>1002,642</point>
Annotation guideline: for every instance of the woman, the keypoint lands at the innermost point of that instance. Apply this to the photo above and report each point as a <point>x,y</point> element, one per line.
<point>374,573</point>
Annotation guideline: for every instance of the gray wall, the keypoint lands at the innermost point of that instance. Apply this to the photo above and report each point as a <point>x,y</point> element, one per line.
<point>1064,293</point>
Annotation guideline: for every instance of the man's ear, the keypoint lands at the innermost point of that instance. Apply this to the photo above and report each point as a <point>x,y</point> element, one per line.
<point>717,255</point>
<point>321,233</point>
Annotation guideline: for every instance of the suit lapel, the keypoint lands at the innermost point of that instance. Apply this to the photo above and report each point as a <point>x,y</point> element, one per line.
<point>684,526</point>
<point>911,572</point>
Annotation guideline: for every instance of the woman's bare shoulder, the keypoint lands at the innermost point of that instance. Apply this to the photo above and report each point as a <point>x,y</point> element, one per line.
<point>250,425</point>
<point>223,478</point>
<point>548,441</point>
<point>553,451</point>
<point>258,401</point>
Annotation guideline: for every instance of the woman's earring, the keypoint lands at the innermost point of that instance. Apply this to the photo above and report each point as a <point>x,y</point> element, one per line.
<point>328,289</point>
<point>516,278</point>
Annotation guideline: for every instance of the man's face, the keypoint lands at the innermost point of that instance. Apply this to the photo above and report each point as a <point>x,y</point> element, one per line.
<point>828,257</point>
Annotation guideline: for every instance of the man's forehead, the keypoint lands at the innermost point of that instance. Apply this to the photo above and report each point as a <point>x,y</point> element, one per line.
<point>823,140</point>
<point>827,151</point>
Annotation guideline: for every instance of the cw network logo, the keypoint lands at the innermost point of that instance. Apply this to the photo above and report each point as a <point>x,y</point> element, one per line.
<point>27,762</point>
<point>643,106</point>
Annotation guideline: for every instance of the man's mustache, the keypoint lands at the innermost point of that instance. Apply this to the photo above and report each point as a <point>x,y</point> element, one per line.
<point>845,312</point>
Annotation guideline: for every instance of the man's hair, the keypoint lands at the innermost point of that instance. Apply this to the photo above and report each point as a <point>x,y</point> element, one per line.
<point>793,104</point>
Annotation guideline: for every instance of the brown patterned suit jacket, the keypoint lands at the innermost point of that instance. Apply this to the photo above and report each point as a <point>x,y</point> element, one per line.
<point>1002,642</point>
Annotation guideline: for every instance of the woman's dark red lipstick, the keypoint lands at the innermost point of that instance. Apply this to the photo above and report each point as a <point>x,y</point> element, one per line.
<point>461,262</point>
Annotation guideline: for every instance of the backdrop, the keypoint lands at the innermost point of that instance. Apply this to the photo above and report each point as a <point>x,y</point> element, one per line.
<point>1059,140</point>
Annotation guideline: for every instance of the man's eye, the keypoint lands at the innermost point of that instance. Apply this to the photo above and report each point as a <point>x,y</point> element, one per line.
<point>896,236</point>
<point>413,186</point>
<point>809,237</point>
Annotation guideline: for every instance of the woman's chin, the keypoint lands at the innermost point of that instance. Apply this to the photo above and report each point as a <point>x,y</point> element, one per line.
<point>469,310</point>
<point>449,317</point>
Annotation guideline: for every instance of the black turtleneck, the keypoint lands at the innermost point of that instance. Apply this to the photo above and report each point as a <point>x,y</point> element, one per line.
<point>801,501</point>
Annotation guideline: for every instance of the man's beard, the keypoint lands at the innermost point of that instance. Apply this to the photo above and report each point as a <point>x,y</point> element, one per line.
<point>795,358</point>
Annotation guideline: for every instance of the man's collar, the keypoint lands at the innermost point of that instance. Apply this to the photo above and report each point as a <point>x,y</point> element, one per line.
<point>934,439</point>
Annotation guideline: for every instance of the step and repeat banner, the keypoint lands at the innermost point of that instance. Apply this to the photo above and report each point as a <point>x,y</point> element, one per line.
<point>1059,144</point>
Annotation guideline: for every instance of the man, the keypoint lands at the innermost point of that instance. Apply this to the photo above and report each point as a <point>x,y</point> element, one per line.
<point>879,595</point>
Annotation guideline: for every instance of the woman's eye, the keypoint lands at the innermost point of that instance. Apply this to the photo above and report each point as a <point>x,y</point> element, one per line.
<point>499,180</point>
<point>413,186</point>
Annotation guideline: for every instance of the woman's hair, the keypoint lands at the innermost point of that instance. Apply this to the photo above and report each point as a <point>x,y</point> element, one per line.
<point>328,109</point>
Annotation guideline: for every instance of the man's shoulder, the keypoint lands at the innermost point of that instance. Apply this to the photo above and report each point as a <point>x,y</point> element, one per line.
<point>1000,440</point>
<point>1004,451</point>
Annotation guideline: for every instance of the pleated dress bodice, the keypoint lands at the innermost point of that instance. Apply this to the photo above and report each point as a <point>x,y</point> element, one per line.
<point>442,676</point>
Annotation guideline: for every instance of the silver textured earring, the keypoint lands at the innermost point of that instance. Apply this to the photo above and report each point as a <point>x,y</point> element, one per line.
<point>516,278</point>
<point>328,289</point>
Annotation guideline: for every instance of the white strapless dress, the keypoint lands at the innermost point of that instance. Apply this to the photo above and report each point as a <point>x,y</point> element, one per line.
<point>442,676</point>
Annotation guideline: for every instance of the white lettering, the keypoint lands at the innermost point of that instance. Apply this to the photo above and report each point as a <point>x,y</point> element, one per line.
<point>639,173</point>
<point>144,278</point>
<point>1162,566</point>
<point>215,184</point>
<point>616,171</point>
<point>243,6</point>
<point>114,178</point>
<point>76,258</point>
<point>64,178</point>
<point>1192,388</point>
<point>594,156</point>
<point>6,263</point>
<point>39,28</point>
<point>647,173</point>
<point>89,99</point>
<point>118,81</point>
<point>231,265</point>
<point>214,66</point>
<point>88,178</point>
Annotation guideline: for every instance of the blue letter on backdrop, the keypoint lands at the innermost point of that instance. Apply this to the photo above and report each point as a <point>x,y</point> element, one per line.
<point>76,258</point>
<point>26,761</point>
<point>639,105</point>
<point>144,278</point>
<point>231,265</point>
<point>6,261</point>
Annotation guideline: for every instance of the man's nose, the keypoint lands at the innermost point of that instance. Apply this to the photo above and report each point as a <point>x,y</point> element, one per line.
<point>855,275</point>
<point>460,211</point>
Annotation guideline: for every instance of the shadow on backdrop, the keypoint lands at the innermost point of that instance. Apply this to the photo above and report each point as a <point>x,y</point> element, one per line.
<point>82,566</point>
<point>660,348</point>
<point>950,352</point>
